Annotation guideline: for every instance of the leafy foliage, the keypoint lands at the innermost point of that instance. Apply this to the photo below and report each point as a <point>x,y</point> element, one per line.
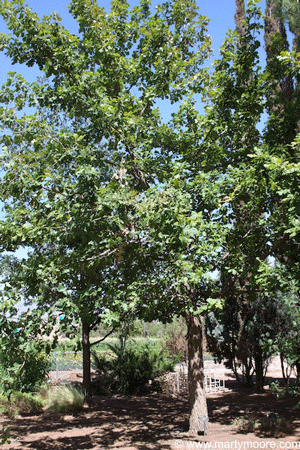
<point>131,371</point>
<point>23,362</point>
<point>78,168</point>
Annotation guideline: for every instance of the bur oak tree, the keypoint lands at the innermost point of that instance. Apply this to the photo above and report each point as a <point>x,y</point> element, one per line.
<point>124,212</point>
<point>84,150</point>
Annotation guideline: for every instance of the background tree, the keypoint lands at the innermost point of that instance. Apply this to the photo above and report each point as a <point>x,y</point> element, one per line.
<point>226,137</point>
<point>183,245</point>
<point>237,333</point>
<point>261,182</point>
<point>283,122</point>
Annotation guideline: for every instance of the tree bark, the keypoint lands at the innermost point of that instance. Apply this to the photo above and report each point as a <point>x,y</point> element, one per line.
<point>259,371</point>
<point>239,16</point>
<point>298,373</point>
<point>197,398</point>
<point>86,361</point>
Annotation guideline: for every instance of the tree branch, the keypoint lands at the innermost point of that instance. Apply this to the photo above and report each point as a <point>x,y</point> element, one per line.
<point>106,336</point>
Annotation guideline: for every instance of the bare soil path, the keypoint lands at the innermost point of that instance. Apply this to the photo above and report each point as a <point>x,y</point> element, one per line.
<point>159,423</point>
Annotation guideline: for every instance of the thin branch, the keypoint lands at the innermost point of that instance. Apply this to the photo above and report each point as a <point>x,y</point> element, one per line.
<point>106,336</point>
<point>107,252</point>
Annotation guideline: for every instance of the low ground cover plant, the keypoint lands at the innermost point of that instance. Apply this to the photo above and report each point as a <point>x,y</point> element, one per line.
<point>271,424</point>
<point>62,399</point>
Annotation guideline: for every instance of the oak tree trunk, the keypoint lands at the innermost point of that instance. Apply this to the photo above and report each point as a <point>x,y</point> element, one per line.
<point>197,398</point>
<point>86,361</point>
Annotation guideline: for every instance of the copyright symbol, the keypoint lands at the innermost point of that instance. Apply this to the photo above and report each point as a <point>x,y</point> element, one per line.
<point>179,443</point>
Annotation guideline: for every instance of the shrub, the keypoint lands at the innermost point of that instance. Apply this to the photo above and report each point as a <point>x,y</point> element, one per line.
<point>22,371</point>
<point>4,404</point>
<point>175,341</point>
<point>283,391</point>
<point>4,435</point>
<point>131,371</point>
<point>268,424</point>
<point>25,403</point>
<point>20,403</point>
<point>23,361</point>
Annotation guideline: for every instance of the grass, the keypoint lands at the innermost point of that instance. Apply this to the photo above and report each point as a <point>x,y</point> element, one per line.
<point>272,425</point>
<point>64,399</point>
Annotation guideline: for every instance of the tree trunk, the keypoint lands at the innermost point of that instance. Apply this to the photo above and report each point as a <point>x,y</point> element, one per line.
<point>240,15</point>
<point>298,373</point>
<point>284,374</point>
<point>86,361</point>
<point>123,336</point>
<point>197,399</point>
<point>259,371</point>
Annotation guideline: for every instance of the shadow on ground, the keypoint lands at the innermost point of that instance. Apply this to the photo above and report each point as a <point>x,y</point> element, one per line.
<point>118,422</point>
<point>259,413</point>
<point>152,423</point>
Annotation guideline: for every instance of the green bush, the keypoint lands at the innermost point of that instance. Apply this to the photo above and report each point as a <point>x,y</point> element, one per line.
<point>132,372</point>
<point>4,405</point>
<point>20,403</point>
<point>270,424</point>
<point>22,371</point>
<point>283,391</point>
<point>25,403</point>
<point>23,361</point>
<point>4,435</point>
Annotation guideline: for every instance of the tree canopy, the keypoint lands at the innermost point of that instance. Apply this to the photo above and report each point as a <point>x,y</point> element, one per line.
<point>125,211</point>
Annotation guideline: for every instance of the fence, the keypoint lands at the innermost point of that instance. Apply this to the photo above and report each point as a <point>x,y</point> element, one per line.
<point>67,367</point>
<point>176,383</point>
<point>214,381</point>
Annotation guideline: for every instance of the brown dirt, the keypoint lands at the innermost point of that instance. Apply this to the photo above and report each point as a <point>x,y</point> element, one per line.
<point>159,423</point>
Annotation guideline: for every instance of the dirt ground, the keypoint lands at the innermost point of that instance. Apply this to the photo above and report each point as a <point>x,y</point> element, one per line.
<point>158,422</point>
